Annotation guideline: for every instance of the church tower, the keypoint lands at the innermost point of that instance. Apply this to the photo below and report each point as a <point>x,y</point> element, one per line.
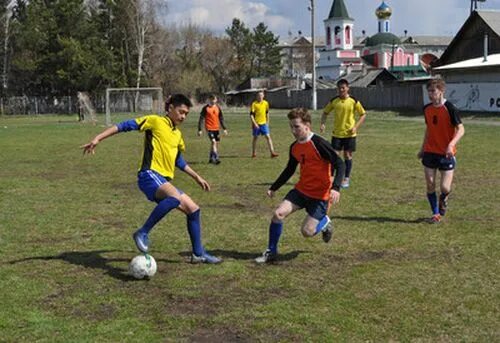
<point>384,13</point>
<point>338,59</point>
<point>338,26</point>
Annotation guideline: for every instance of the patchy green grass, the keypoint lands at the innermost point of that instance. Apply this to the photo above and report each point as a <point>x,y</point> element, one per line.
<point>65,243</point>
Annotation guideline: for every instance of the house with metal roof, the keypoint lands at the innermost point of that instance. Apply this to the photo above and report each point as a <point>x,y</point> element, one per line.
<point>468,43</point>
<point>471,64</point>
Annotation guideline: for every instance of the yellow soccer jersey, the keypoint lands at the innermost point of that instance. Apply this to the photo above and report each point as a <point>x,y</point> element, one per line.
<point>162,142</point>
<point>260,110</point>
<point>344,112</point>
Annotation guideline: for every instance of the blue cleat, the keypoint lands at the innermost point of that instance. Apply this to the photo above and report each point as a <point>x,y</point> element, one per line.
<point>141,241</point>
<point>205,258</point>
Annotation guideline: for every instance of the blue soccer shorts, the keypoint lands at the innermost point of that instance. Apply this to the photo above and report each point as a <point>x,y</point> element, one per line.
<point>261,130</point>
<point>149,181</point>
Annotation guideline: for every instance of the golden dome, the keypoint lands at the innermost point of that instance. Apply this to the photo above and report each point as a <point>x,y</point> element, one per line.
<point>383,11</point>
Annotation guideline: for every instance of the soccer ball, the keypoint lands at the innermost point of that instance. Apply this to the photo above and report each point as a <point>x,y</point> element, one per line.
<point>142,266</point>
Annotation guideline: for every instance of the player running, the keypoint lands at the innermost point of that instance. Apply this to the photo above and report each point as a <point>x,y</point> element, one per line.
<point>314,190</point>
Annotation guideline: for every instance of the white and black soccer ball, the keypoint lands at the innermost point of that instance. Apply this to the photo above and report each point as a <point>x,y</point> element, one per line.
<point>142,266</point>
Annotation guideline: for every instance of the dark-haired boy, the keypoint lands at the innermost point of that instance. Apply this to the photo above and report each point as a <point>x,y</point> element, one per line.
<point>345,127</point>
<point>163,147</point>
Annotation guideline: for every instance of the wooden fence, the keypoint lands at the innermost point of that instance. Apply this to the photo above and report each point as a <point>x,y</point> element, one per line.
<point>384,98</point>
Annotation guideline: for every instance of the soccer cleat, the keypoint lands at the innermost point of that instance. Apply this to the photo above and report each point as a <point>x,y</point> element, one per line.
<point>435,219</point>
<point>267,257</point>
<point>141,241</point>
<point>205,258</point>
<point>254,155</point>
<point>217,161</point>
<point>443,204</point>
<point>273,155</point>
<point>327,231</point>
<point>345,183</point>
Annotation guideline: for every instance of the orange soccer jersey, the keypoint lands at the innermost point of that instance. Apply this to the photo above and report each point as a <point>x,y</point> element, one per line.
<point>441,124</point>
<point>213,118</point>
<point>315,172</point>
<point>316,158</point>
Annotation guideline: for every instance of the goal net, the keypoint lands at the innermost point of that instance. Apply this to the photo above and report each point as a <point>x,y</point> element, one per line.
<point>86,111</point>
<point>122,103</point>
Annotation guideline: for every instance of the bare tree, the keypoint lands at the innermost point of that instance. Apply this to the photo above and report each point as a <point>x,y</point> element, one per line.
<point>142,16</point>
<point>6,18</point>
<point>218,61</point>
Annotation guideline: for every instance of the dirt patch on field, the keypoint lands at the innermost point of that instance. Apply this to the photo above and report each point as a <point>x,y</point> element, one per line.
<point>448,255</point>
<point>63,303</point>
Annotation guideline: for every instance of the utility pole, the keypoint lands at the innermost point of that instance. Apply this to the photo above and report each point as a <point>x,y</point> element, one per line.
<point>314,96</point>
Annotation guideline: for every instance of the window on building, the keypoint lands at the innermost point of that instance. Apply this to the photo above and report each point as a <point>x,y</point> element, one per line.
<point>328,35</point>
<point>348,35</point>
<point>337,34</point>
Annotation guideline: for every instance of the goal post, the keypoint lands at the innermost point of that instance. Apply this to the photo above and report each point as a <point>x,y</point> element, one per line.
<point>136,101</point>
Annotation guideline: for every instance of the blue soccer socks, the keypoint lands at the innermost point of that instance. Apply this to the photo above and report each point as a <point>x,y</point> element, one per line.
<point>322,225</point>
<point>141,236</point>
<point>194,230</point>
<point>163,207</point>
<point>275,230</point>
<point>433,201</point>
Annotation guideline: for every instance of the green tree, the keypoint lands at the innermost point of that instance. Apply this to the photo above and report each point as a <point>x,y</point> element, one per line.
<point>242,45</point>
<point>267,60</point>
<point>57,49</point>
<point>255,52</point>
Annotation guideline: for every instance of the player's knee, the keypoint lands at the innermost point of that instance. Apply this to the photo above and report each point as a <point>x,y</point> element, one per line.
<point>278,216</point>
<point>188,206</point>
<point>308,231</point>
<point>445,189</point>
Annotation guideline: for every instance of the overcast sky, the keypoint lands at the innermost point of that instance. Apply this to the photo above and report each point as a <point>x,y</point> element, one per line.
<point>419,17</point>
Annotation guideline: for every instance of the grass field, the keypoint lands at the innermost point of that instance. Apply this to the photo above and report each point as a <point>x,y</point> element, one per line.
<point>65,243</point>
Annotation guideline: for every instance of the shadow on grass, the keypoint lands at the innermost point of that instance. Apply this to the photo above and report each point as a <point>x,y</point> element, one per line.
<point>90,259</point>
<point>381,219</point>
<point>240,255</point>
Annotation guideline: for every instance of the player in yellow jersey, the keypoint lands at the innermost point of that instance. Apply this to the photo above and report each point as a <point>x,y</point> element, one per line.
<point>163,147</point>
<point>259,115</point>
<point>345,127</point>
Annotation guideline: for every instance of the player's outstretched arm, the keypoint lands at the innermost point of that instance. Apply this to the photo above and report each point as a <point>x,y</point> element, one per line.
<point>199,180</point>
<point>89,148</point>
